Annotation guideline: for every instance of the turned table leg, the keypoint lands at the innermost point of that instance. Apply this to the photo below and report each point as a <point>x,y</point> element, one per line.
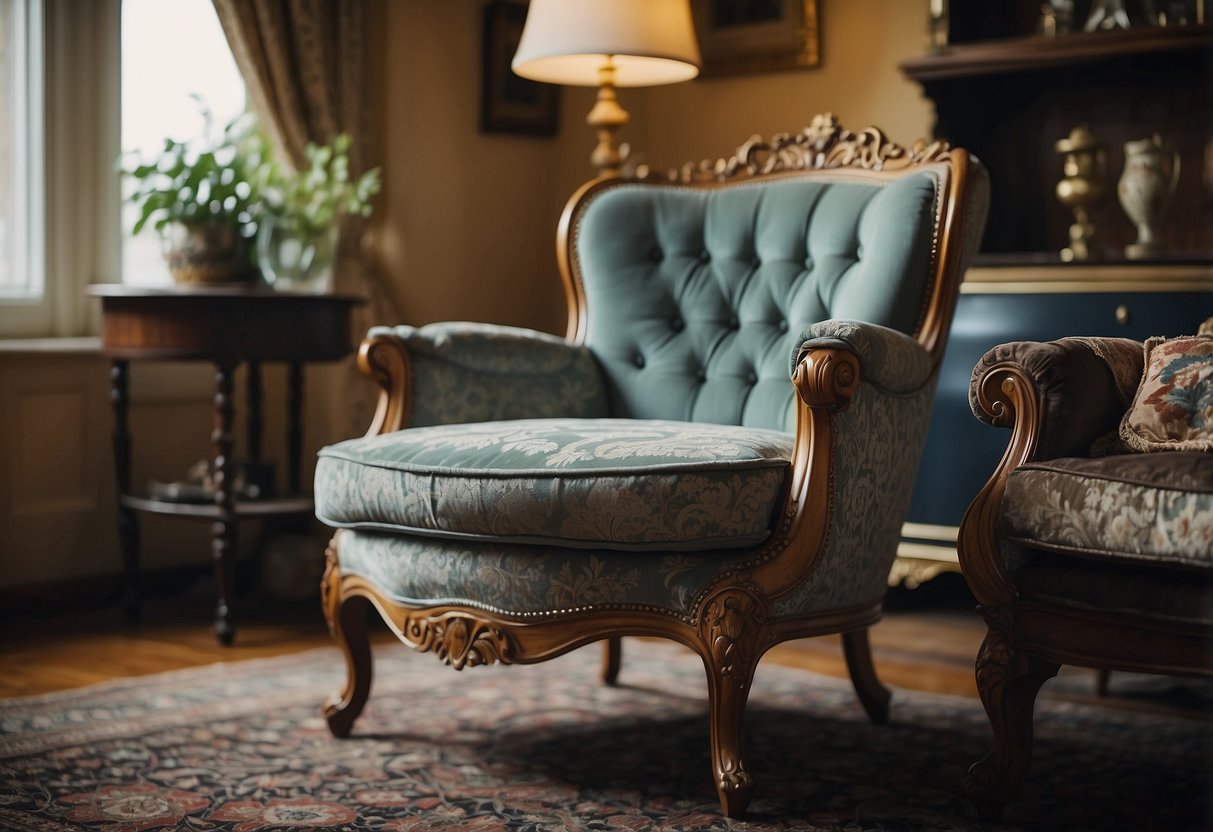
<point>128,522</point>
<point>223,532</point>
<point>294,415</point>
<point>254,420</point>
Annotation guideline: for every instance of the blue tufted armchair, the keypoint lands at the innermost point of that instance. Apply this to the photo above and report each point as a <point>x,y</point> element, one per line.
<point>720,451</point>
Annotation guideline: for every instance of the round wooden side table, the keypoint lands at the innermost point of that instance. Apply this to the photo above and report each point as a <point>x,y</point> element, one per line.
<point>227,326</point>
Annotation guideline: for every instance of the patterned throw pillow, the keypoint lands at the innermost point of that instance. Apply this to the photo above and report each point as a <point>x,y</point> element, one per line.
<point>1173,408</point>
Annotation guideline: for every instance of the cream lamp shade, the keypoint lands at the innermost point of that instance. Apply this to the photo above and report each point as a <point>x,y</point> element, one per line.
<point>608,44</point>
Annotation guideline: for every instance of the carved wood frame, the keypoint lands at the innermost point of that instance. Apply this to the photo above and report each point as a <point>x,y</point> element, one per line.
<point>731,624</point>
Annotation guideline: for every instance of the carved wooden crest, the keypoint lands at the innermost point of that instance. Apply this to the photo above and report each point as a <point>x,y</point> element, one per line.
<point>825,143</point>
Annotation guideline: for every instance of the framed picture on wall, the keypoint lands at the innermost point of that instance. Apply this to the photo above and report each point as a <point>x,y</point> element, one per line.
<point>509,104</point>
<point>744,36</point>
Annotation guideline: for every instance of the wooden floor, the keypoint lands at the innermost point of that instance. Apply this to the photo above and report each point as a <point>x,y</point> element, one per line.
<point>923,645</point>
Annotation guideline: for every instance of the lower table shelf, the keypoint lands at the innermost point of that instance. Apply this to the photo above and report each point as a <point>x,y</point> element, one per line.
<point>301,504</point>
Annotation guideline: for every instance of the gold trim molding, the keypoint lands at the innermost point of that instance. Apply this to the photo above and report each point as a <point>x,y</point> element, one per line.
<point>1104,277</point>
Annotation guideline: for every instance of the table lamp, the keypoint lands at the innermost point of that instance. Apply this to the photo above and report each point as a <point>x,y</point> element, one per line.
<point>608,44</point>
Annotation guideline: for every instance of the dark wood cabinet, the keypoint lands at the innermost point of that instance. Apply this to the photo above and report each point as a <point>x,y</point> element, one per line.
<point>1008,95</point>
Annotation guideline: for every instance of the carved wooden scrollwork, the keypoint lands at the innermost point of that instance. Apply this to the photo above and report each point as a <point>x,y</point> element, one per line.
<point>827,378</point>
<point>825,143</point>
<point>383,360</point>
<point>459,640</point>
<point>732,626</point>
<point>997,650</point>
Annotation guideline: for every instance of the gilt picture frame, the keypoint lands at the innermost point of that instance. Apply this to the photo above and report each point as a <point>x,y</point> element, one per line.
<point>508,103</point>
<point>750,36</point>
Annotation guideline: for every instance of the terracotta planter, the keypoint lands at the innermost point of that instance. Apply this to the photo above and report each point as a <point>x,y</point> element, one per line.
<point>208,254</point>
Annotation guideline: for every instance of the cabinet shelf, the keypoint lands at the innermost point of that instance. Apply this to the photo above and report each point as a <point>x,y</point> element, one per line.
<point>1015,55</point>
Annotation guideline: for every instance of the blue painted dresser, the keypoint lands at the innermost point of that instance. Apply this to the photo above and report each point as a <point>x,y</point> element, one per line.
<point>1026,303</point>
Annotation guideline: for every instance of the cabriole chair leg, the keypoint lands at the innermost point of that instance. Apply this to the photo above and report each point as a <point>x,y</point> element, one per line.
<point>872,694</point>
<point>350,630</point>
<point>612,655</point>
<point>1008,684</point>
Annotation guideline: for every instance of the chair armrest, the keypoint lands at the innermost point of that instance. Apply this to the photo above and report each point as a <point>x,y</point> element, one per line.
<point>1057,397</point>
<point>1082,387</point>
<point>890,360</point>
<point>469,372</point>
<point>865,403</point>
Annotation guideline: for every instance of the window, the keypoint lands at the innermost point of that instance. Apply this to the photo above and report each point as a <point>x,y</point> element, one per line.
<point>79,83</point>
<point>173,56</point>
<point>20,149</point>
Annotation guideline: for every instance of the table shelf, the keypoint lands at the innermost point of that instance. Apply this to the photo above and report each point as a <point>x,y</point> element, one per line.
<point>301,504</point>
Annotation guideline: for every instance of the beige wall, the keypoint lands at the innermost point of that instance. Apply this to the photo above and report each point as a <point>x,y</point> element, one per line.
<point>467,223</point>
<point>468,220</point>
<point>862,42</point>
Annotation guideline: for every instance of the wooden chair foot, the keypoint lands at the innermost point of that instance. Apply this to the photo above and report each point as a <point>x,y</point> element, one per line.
<point>612,655</point>
<point>872,694</point>
<point>1008,684</point>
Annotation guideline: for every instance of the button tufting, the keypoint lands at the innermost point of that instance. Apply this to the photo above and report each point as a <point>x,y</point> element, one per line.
<point>638,360</point>
<point>702,377</point>
<point>782,326</point>
<point>752,378</point>
<point>755,262</point>
<point>655,254</point>
<point>808,262</point>
<point>734,323</point>
<point>704,257</point>
<point>677,324</point>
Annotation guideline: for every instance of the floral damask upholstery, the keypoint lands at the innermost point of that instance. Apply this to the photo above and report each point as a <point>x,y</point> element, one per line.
<point>1153,509</point>
<point>720,450</point>
<point>614,483</point>
<point>1078,550</point>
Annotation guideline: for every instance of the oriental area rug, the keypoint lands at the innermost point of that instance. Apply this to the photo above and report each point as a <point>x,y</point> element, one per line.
<point>242,747</point>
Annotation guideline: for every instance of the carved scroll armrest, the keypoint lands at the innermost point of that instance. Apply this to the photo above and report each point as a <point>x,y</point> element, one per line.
<point>1082,386</point>
<point>851,379</point>
<point>1056,397</point>
<point>891,360</point>
<point>468,372</point>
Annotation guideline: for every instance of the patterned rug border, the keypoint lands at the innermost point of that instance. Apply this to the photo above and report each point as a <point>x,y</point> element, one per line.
<point>240,746</point>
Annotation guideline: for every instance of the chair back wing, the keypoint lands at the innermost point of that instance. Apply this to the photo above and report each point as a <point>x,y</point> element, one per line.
<point>693,295</point>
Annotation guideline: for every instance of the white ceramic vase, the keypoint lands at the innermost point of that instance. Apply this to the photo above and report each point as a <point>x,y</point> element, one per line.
<point>1145,190</point>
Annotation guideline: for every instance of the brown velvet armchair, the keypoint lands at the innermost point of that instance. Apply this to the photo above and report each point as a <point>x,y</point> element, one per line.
<point>1101,561</point>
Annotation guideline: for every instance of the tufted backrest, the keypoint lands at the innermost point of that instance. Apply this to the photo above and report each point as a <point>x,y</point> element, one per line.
<point>694,295</point>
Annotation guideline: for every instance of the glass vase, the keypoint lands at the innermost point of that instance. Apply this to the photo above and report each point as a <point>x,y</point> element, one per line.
<point>292,261</point>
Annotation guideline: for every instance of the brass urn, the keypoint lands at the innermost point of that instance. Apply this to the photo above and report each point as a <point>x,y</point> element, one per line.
<point>1083,188</point>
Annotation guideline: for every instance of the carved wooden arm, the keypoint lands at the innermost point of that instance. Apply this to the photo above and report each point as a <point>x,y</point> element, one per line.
<point>1057,398</point>
<point>831,363</point>
<point>1083,387</point>
<point>466,372</point>
<point>891,360</point>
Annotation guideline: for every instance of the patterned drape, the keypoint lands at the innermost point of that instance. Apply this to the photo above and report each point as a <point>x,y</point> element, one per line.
<point>304,63</point>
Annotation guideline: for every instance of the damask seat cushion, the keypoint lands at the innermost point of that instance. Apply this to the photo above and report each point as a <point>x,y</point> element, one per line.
<point>602,483</point>
<point>1149,509</point>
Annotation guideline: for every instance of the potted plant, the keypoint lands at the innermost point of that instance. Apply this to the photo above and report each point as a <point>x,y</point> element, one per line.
<point>298,237</point>
<point>205,199</point>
